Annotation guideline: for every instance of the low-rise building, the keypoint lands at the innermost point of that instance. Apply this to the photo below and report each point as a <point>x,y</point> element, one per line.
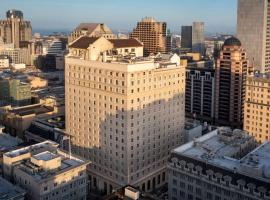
<point>222,164</point>
<point>17,120</point>
<point>14,92</point>
<point>50,128</point>
<point>10,192</point>
<point>46,172</point>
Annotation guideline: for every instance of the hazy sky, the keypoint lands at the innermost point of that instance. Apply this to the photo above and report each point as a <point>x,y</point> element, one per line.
<point>219,15</point>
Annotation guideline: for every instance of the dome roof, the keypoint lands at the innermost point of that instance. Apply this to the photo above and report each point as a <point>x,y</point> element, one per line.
<point>232,41</point>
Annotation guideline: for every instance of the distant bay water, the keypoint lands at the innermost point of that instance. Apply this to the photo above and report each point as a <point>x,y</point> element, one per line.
<point>44,32</point>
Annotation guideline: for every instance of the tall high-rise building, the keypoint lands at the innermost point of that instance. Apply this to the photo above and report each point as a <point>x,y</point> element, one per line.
<point>192,37</point>
<point>253,26</point>
<point>186,37</point>
<point>257,107</point>
<point>198,38</point>
<point>152,34</point>
<point>14,29</point>
<point>200,90</point>
<point>231,73</point>
<point>124,115</point>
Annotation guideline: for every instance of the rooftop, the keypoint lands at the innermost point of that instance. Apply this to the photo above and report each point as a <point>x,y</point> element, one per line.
<point>83,42</point>
<point>231,150</point>
<point>232,41</point>
<point>260,77</point>
<point>32,109</point>
<point>43,160</point>
<point>191,124</point>
<point>125,43</point>
<point>9,191</point>
<point>45,156</point>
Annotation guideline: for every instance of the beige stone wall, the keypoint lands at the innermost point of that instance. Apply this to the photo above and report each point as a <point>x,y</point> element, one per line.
<point>125,118</point>
<point>257,108</point>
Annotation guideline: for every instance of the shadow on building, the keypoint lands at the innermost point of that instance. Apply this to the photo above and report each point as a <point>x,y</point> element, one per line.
<point>132,146</point>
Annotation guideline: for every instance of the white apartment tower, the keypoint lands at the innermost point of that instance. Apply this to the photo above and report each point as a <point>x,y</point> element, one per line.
<point>123,113</point>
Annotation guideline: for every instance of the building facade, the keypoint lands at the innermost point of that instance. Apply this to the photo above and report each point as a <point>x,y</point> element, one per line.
<point>200,90</point>
<point>125,115</point>
<point>14,29</point>
<point>17,120</point>
<point>192,38</point>
<point>223,164</point>
<point>17,55</point>
<point>153,35</point>
<point>231,73</point>
<point>14,92</point>
<point>186,37</point>
<point>257,107</point>
<point>46,172</point>
<point>198,38</point>
<point>253,31</point>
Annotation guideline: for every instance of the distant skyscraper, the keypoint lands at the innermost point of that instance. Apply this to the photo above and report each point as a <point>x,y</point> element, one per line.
<point>198,38</point>
<point>14,29</point>
<point>152,34</point>
<point>253,26</point>
<point>186,37</point>
<point>257,107</point>
<point>231,73</point>
<point>192,37</point>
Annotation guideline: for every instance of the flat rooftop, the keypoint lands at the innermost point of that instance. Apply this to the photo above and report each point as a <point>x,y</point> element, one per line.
<point>260,77</point>
<point>191,124</point>
<point>44,151</point>
<point>45,156</point>
<point>9,191</point>
<point>222,148</point>
<point>31,109</point>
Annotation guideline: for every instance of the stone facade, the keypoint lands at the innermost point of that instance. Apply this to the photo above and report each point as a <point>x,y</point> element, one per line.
<point>257,107</point>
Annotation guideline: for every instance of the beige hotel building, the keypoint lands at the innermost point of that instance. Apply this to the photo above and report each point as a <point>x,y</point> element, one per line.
<point>257,107</point>
<point>124,112</point>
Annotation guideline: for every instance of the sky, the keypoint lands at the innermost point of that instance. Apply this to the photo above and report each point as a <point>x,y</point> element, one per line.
<point>122,15</point>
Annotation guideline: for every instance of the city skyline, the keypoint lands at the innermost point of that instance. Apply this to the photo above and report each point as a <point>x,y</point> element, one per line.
<point>117,14</point>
